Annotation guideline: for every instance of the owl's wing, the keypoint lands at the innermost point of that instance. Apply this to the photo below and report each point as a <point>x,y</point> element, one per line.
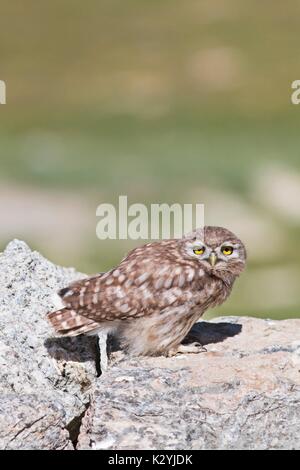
<point>138,287</point>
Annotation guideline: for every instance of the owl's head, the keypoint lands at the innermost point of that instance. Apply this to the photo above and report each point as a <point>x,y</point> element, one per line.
<point>217,250</point>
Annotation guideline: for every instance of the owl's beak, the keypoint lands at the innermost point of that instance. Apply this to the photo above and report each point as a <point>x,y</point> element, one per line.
<point>213,259</point>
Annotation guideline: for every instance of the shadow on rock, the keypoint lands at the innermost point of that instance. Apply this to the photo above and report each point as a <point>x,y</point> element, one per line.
<point>79,349</point>
<point>206,332</point>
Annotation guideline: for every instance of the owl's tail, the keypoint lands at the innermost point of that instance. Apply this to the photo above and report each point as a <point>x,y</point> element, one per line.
<point>67,322</point>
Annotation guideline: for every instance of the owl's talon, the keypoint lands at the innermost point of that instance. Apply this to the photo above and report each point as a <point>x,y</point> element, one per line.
<point>192,348</point>
<point>172,353</point>
<point>199,346</point>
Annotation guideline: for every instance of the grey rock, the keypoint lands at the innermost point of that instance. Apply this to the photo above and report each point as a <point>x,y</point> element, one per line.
<point>31,422</point>
<point>59,372</point>
<point>243,393</point>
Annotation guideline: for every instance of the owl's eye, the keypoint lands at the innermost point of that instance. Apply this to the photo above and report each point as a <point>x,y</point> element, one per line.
<point>199,251</point>
<point>227,250</point>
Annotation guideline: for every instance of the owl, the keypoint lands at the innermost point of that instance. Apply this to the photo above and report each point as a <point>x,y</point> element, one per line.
<point>155,295</point>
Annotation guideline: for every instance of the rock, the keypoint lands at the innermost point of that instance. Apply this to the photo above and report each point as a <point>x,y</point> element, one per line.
<point>31,422</point>
<point>43,380</point>
<point>243,393</point>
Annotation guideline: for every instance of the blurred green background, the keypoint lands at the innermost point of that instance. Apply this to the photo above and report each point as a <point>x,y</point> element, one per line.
<point>164,101</point>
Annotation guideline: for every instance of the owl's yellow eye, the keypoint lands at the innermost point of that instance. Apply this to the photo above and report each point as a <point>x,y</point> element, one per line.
<point>199,251</point>
<point>227,250</point>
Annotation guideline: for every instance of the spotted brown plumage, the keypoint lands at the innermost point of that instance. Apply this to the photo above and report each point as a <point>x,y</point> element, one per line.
<point>157,292</point>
